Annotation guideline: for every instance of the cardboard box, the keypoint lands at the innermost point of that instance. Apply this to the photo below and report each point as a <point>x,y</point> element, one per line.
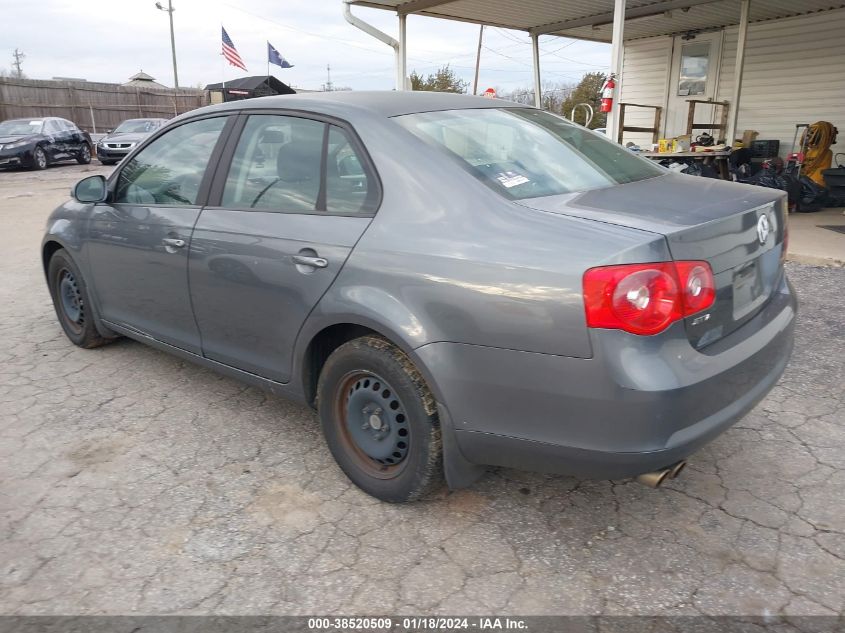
<point>748,137</point>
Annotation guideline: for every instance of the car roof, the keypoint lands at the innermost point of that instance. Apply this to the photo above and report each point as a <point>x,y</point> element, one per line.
<point>385,103</point>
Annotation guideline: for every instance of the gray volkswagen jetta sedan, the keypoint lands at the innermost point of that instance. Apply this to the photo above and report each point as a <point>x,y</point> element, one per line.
<point>453,282</point>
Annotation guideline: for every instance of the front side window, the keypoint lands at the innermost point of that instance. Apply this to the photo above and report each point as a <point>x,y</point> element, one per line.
<point>169,170</point>
<point>527,153</point>
<point>294,165</point>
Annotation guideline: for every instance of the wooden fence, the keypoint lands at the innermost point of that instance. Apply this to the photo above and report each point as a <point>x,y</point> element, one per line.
<point>95,107</point>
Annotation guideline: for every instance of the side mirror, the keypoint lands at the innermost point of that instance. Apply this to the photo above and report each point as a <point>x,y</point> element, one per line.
<point>90,190</point>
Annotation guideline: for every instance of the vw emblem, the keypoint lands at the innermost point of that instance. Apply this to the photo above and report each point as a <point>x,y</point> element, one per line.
<point>763,228</point>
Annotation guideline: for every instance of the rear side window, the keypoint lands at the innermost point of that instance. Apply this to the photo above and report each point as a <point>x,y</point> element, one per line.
<point>277,165</point>
<point>291,164</point>
<point>527,153</point>
<point>347,185</point>
<point>169,170</point>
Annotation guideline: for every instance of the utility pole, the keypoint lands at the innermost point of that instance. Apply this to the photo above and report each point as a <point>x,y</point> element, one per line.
<point>478,60</point>
<point>19,57</point>
<point>170,11</point>
<point>329,86</point>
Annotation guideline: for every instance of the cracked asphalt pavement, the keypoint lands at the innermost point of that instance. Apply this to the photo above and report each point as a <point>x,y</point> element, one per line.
<point>134,483</point>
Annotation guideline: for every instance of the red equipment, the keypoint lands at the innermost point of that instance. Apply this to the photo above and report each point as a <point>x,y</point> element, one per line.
<point>607,94</point>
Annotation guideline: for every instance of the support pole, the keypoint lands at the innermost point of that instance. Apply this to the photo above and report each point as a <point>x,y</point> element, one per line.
<point>478,60</point>
<point>173,44</point>
<point>402,53</point>
<point>381,36</point>
<point>617,52</point>
<point>535,50</point>
<point>730,133</point>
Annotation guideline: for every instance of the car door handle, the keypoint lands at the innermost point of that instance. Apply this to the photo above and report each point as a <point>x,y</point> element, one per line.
<point>305,260</point>
<point>174,242</point>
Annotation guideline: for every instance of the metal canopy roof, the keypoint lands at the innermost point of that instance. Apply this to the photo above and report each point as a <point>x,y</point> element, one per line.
<point>593,19</point>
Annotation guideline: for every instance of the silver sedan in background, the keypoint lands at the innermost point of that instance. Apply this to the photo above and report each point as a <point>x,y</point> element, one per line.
<point>115,145</point>
<point>452,282</point>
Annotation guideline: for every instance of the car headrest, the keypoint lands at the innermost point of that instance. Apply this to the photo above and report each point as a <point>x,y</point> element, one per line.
<point>299,159</point>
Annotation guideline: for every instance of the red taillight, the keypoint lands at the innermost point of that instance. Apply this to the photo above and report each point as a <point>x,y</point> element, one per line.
<point>699,287</point>
<point>647,298</point>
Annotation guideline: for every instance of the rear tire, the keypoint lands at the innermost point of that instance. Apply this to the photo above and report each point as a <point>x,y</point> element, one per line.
<point>380,420</point>
<point>84,155</point>
<point>39,159</point>
<point>72,301</point>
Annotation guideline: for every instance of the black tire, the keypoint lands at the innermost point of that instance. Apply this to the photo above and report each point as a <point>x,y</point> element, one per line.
<point>84,155</point>
<point>71,301</point>
<point>39,158</point>
<point>373,369</point>
<point>107,162</point>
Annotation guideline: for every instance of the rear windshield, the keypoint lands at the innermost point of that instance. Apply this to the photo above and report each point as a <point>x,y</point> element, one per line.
<point>527,153</point>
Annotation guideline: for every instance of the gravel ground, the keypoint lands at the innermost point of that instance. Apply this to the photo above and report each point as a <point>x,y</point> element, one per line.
<point>132,482</point>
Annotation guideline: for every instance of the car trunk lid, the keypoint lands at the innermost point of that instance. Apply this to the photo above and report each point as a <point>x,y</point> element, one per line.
<point>737,229</point>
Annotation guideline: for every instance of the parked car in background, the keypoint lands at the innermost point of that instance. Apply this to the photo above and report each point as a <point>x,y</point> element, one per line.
<point>36,142</point>
<point>120,141</point>
<point>452,281</point>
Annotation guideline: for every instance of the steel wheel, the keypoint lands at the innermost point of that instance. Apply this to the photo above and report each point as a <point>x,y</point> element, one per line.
<point>373,424</point>
<point>380,420</point>
<point>72,303</point>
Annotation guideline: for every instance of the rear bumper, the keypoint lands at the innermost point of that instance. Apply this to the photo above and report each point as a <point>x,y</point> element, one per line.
<point>639,404</point>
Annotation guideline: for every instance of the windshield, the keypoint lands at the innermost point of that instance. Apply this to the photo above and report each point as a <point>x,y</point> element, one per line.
<point>21,127</point>
<point>527,153</point>
<point>137,126</point>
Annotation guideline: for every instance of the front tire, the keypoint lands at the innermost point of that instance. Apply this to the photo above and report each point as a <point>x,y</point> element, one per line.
<point>39,159</point>
<point>84,155</point>
<point>72,301</point>
<point>380,420</point>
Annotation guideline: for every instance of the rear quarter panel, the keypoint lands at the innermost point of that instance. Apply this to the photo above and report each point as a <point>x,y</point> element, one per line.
<point>448,259</point>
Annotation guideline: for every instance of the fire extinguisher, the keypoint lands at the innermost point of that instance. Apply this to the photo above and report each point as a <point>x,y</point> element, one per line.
<point>607,94</point>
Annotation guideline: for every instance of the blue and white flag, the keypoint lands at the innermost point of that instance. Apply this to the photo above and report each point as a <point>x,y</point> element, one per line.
<point>275,57</point>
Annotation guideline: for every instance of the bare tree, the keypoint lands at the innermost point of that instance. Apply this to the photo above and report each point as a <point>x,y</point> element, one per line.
<point>554,94</point>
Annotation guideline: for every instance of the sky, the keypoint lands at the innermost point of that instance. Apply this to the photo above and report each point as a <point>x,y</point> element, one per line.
<point>110,40</point>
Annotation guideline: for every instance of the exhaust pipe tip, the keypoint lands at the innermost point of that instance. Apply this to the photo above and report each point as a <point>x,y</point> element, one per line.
<point>655,478</point>
<point>677,469</point>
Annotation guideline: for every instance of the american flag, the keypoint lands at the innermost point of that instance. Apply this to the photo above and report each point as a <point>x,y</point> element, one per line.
<point>231,53</point>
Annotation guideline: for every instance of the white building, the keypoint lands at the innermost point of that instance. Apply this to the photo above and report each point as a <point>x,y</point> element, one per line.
<point>781,61</point>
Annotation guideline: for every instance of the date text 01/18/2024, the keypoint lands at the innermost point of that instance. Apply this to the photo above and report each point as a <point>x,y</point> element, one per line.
<point>414,624</point>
